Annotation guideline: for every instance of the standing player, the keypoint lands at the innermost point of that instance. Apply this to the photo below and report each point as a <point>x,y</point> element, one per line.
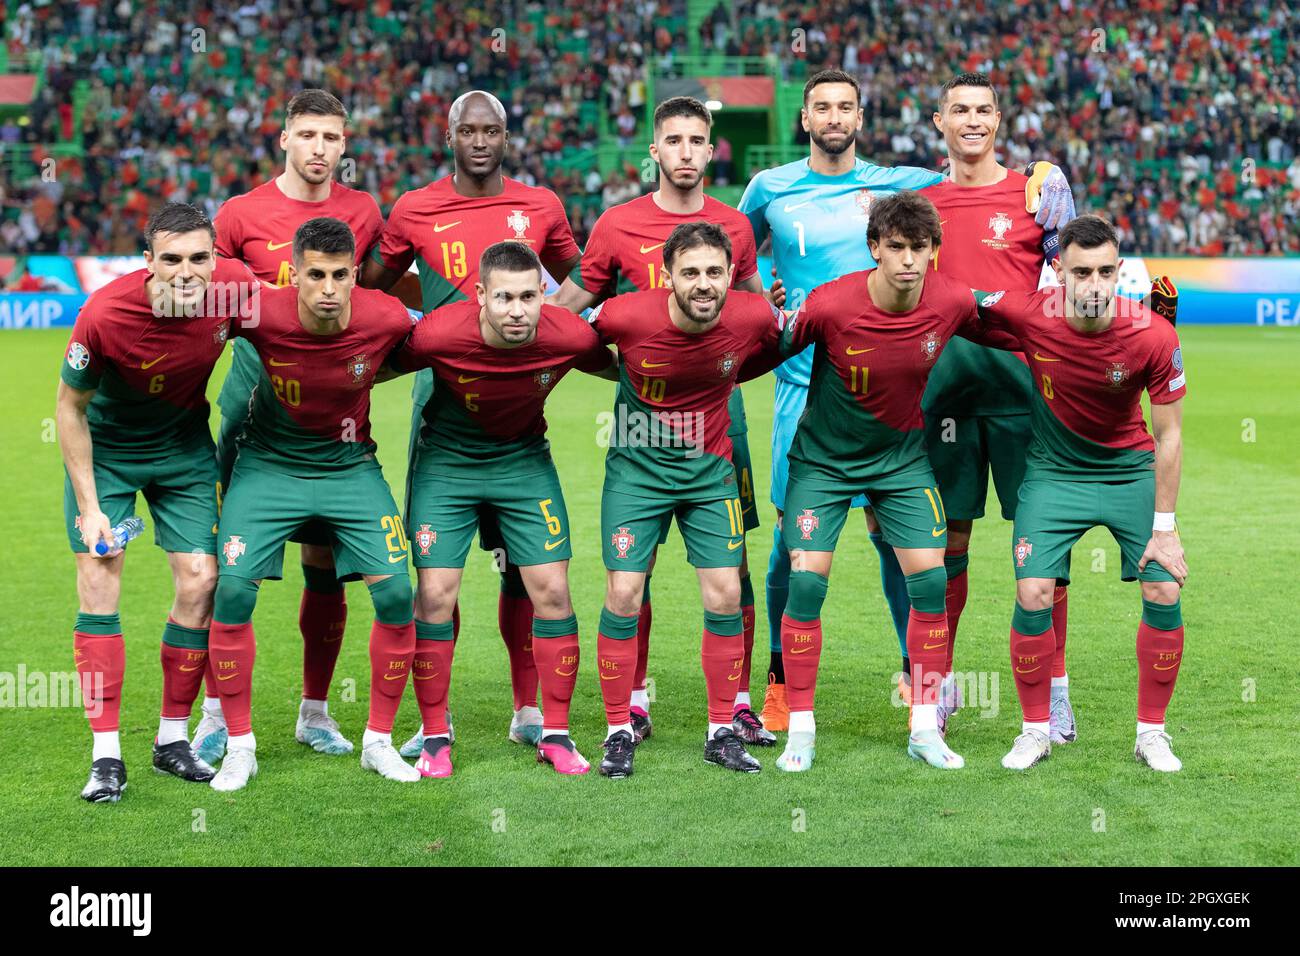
<point>977,401</point>
<point>444,228</point>
<point>306,455</point>
<point>625,252</point>
<point>258,228</point>
<point>877,334</point>
<point>132,417</point>
<point>1093,462</point>
<point>496,360</point>
<point>816,211</point>
<point>681,352</point>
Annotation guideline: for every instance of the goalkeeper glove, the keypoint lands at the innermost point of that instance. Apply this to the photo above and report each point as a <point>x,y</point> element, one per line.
<point>1164,298</point>
<point>1047,193</point>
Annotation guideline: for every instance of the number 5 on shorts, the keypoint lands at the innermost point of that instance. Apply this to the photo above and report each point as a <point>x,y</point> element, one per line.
<point>553,526</point>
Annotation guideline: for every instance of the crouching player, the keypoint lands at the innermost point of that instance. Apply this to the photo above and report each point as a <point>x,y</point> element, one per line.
<point>877,333</point>
<point>1092,462</point>
<point>306,455</point>
<point>132,417</point>
<point>681,352</point>
<point>482,446</point>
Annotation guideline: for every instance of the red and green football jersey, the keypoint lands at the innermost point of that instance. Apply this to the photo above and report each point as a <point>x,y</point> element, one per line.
<point>669,430</point>
<point>486,415</point>
<point>1087,409</point>
<point>446,233</point>
<point>862,425</point>
<point>150,373</point>
<point>258,227</point>
<point>989,241</point>
<point>310,413</point>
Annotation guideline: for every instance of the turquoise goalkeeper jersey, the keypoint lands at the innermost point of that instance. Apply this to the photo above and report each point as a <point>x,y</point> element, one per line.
<point>818,226</point>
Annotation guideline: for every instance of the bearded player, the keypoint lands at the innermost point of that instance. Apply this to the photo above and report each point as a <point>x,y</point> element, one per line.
<point>816,212</point>
<point>258,228</point>
<point>977,401</point>
<point>681,353</point>
<point>306,455</point>
<point>1092,462</point>
<point>133,418</point>
<point>625,252</point>
<point>444,228</point>
<point>497,359</point>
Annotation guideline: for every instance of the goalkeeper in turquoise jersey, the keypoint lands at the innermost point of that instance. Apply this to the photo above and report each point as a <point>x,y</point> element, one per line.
<point>816,213</point>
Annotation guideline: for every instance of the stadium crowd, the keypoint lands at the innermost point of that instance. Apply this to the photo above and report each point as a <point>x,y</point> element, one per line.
<point>1178,121</point>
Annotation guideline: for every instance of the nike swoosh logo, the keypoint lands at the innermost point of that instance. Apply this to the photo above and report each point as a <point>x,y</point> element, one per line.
<point>331,640</point>
<point>850,350</point>
<point>800,650</point>
<point>798,205</point>
<point>729,677</point>
<point>552,545</point>
<point>1020,670</point>
<point>615,677</point>
<point>566,673</point>
<point>430,677</point>
<point>465,381</point>
<point>1043,358</point>
<point>394,676</point>
<point>646,249</point>
<point>274,364</point>
<point>934,647</point>
<point>646,364</point>
<point>441,228</point>
<point>733,545</point>
<point>395,558</point>
<point>272,246</point>
<point>938,532</point>
<point>1169,668</point>
<point>188,669</point>
<point>154,362</point>
<point>227,676</point>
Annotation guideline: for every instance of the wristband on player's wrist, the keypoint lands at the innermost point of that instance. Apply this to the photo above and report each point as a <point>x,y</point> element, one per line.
<point>1164,521</point>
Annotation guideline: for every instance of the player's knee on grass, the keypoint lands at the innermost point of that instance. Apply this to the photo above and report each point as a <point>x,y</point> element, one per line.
<point>99,583</point>
<point>720,595</point>
<point>1160,592</point>
<point>393,599</point>
<point>195,578</point>
<point>807,595</point>
<point>926,590</point>
<point>234,600</point>
<point>548,589</point>
<point>1034,594</point>
<point>436,593</point>
<point>623,592</point>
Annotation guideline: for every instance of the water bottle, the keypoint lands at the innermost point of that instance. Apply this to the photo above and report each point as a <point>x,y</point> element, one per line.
<point>122,533</point>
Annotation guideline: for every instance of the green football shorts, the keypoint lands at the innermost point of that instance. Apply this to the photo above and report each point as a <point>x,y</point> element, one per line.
<point>631,525</point>
<point>816,509</point>
<point>963,450</point>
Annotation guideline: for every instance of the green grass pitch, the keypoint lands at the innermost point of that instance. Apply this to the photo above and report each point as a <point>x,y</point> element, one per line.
<point>864,802</point>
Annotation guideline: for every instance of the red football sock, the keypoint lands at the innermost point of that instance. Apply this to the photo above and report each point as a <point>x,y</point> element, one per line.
<point>392,646</point>
<point>722,656</point>
<point>747,623</point>
<point>515,619</point>
<point>801,653</point>
<point>643,622</point>
<point>182,670</point>
<point>1160,654</point>
<point>557,671</point>
<point>322,616</point>
<point>1060,614</point>
<point>432,666</point>
<point>1029,654</point>
<point>232,649</point>
<point>927,649</point>
<point>954,599</point>
<point>616,662</point>
<point>209,678</point>
<point>100,661</point>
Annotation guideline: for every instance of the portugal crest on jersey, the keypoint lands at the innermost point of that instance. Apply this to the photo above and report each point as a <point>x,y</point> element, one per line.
<point>545,379</point>
<point>930,347</point>
<point>727,364</point>
<point>232,549</point>
<point>425,539</point>
<point>518,222</point>
<point>221,332</point>
<point>1117,375</point>
<point>807,523</point>
<point>358,367</point>
<point>623,539</point>
<point>1023,550</point>
<point>1000,223</point>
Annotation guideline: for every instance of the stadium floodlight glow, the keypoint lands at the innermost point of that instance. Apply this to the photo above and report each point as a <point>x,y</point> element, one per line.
<point>713,104</point>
